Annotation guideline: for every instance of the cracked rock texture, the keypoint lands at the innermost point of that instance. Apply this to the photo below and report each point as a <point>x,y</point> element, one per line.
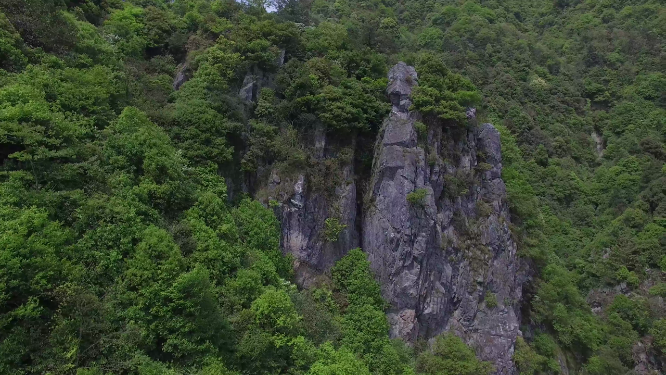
<point>303,220</point>
<point>303,211</point>
<point>182,75</point>
<point>446,262</point>
<point>441,260</point>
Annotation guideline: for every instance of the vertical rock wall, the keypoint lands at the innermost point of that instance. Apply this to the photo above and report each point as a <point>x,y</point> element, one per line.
<point>304,227</point>
<point>434,223</point>
<point>303,211</point>
<point>446,261</point>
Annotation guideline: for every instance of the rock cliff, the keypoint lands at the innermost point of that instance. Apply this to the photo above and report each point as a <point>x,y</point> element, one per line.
<point>434,222</point>
<point>317,209</point>
<point>436,229</point>
<point>304,225</point>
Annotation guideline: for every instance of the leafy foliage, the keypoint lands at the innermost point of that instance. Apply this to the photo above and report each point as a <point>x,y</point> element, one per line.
<point>123,251</point>
<point>417,197</point>
<point>333,229</point>
<point>449,355</point>
<point>440,92</point>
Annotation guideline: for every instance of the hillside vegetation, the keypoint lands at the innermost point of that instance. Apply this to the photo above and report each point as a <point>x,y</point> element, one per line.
<point>123,250</point>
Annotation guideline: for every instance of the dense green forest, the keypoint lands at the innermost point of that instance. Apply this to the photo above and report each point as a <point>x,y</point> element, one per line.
<point>122,251</point>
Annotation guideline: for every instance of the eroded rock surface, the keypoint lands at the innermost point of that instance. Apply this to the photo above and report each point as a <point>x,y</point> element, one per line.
<point>303,212</point>
<point>256,79</point>
<point>434,222</point>
<point>447,261</point>
<point>182,75</point>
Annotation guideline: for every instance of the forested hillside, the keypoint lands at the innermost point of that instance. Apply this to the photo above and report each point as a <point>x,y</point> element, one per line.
<point>184,183</point>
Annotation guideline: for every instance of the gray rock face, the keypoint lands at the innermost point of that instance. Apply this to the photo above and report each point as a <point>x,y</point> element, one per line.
<point>447,262</point>
<point>303,212</point>
<point>182,76</point>
<point>646,359</point>
<point>256,79</point>
<point>402,78</point>
<point>248,90</point>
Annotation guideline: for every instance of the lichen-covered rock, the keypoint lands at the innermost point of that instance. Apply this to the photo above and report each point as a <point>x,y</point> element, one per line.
<point>436,230</point>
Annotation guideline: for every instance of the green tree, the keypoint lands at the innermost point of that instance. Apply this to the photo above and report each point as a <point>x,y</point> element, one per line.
<point>338,362</point>
<point>440,92</point>
<point>450,355</point>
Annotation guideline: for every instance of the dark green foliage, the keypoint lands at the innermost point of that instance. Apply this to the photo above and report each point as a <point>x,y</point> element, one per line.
<point>352,276</point>
<point>10,46</point>
<point>483,209</point>
<point>332,229</point>
<point>42,23</point>
<point>658,290</point>
<point>562,304</point>
<point>343,105</point>
<point>605,363</point>
<point>354,105</point>
<point>421,132</point>
<point>449,355</point>
<point>458,184</point>
<point>490,299</point>
<point>338,362</point>
<point>417,197</point>
<point>320,314</point>
<point>658,331</point>
<point>589,220</point>
<point>440,92</point>
<point>632,311</point>
<point>364,325</point>
<point>530,362</point>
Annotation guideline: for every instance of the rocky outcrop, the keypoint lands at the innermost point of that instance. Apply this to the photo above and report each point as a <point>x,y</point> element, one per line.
<point>647,361</point>
<point>256,79</point>
<point>319,219</point>
<point>319,225</point>
<point>434,222</point>
<point>646,357</point>
<point>182,75</point>
<point>304,229</point>
<point>599,143</point>
<point>436,230</point>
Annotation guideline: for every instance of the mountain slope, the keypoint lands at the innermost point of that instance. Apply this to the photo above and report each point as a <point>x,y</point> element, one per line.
<point>126,252</point>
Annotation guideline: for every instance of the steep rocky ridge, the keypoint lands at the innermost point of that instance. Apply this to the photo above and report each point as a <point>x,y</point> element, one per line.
<point>434,222</point>
<point>446,261</point>
<point>319,219</point>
